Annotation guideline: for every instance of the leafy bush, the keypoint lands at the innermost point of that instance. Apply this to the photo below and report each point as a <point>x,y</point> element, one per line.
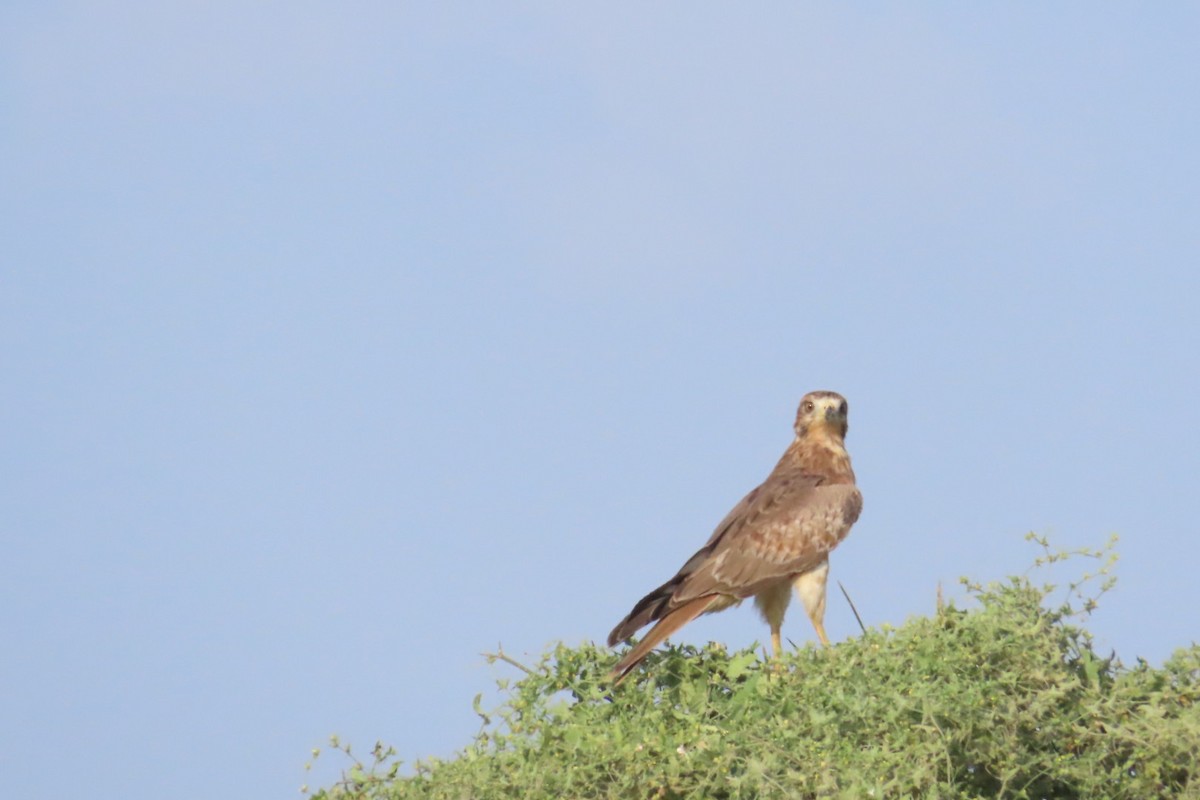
<point>1006,699</point>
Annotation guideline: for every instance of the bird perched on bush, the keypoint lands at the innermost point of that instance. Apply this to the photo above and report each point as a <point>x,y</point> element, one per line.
<point>778,537</point>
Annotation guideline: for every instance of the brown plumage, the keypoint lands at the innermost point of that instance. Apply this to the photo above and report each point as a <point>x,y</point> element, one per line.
<point>778,536</point>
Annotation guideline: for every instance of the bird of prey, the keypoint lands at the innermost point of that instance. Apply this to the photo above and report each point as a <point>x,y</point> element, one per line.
<point>778,537</point>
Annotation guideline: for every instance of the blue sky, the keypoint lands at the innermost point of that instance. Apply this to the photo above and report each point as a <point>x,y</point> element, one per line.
<point>342,343</point>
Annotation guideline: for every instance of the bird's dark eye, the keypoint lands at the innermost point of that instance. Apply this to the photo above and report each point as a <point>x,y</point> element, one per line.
<point>842,408</point>
<point>808,406</point>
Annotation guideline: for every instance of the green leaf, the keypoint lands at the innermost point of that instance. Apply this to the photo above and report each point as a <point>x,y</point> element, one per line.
<point>477,705</point>
<point>739,664</point>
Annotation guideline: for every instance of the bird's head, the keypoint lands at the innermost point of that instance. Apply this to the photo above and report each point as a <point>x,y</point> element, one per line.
<point>822,414</point>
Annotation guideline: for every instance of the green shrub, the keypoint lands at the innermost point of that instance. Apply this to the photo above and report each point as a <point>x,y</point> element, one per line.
<point>1006,699</point>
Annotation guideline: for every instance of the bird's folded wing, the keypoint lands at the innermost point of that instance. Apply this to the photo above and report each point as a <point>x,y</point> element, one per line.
<point>787,529</point>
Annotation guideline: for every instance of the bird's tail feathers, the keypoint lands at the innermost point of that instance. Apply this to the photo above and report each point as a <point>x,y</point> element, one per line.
<point>666,626</point>
<point>647,610</point>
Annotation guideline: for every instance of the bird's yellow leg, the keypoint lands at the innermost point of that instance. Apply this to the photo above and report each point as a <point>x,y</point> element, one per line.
<point>773,603</point>
<point>776,650</point>
<point>821,632</point>
<point>811,588</point>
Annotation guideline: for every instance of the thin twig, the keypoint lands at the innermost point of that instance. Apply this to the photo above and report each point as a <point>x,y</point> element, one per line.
<point>852,608</point>
<point>500,655</point>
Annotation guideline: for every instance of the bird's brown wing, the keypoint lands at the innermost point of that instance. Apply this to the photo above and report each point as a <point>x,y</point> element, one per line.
<point>776,540</point>
<point>784,527</point>
<point>658,602</point>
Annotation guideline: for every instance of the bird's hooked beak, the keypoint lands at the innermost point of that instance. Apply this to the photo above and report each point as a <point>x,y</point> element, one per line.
<point>834,418</point>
